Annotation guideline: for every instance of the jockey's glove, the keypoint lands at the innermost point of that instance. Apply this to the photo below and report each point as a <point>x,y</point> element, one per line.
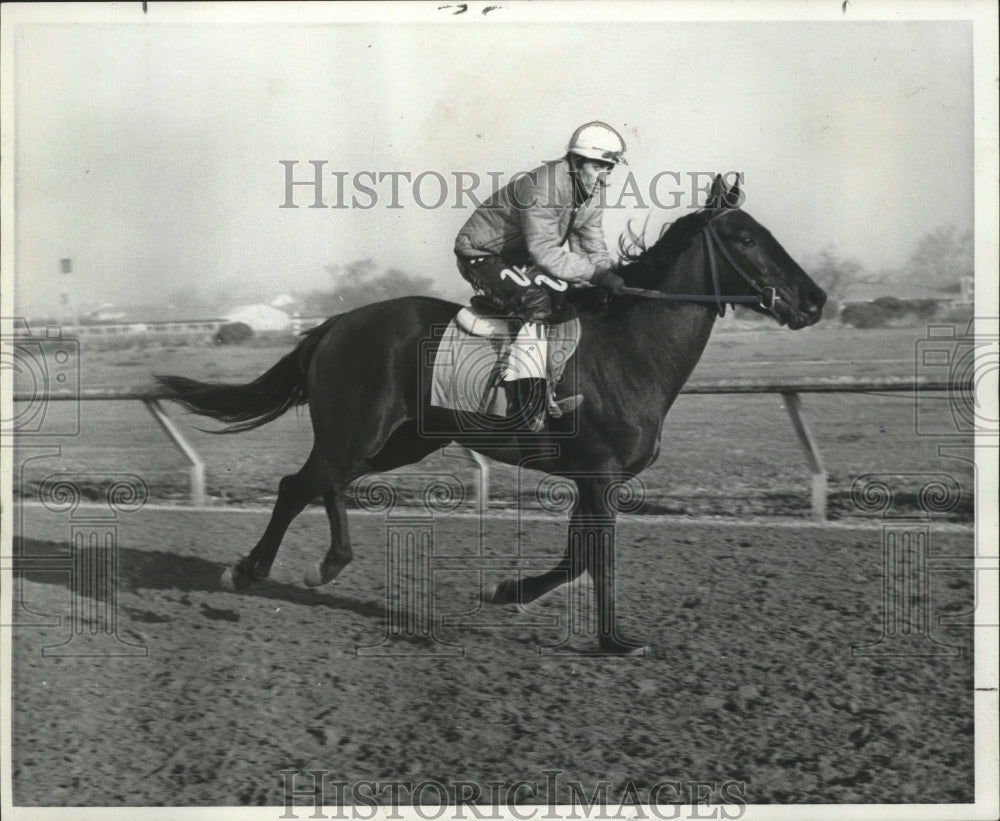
<point>609,281</point>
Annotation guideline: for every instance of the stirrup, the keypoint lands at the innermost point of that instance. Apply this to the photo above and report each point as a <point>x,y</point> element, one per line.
<point>568,404</point>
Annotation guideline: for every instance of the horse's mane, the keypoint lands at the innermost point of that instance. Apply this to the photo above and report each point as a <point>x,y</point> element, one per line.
<point>641,265</point>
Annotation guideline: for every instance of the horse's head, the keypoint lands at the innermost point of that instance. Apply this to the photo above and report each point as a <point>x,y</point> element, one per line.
<point>750,261</point>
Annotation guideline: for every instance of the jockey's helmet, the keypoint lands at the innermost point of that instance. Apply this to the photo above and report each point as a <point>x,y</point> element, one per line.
<point>598,141</point>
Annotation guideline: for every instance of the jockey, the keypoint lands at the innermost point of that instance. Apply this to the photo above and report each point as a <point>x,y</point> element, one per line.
<point>533,239</point>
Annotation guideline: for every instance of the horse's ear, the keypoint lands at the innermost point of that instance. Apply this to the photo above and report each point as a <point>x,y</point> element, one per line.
<point>733,196</point>
<point>717,196</point>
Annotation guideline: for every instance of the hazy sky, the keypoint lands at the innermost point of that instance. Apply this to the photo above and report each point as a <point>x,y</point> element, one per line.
<point>149,152</point>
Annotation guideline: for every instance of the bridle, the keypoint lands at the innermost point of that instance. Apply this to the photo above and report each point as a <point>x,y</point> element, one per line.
<point>766,296</point>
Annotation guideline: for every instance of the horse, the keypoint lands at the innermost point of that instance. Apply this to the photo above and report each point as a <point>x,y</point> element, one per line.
<point>365,377</point>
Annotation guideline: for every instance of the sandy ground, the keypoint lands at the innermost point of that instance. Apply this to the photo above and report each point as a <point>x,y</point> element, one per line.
<point>750,677</point>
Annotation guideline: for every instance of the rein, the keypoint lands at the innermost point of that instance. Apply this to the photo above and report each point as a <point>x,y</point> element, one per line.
<point>765,297</point>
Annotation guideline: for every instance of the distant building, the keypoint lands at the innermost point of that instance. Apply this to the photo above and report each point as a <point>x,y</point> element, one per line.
<point>968,291</point>
<point>283,301</point>
<point>104,313</point>
<point>260,318</point>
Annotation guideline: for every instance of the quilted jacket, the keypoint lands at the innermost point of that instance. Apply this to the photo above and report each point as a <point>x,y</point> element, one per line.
<point>528,220</point>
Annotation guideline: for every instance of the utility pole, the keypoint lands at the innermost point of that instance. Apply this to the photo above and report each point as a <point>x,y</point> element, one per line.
<point>67,306</point>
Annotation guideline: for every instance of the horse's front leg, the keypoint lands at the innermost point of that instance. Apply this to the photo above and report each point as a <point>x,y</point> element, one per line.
<point>592,543</point>
<point>524,590</point>
<point>591,547</point>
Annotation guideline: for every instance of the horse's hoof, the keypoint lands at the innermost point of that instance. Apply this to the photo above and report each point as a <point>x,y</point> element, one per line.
<point>314,575</point>
<point>618,646</point>
<point>504,592</point>
<point>235,578</point>
<point>318,574</point>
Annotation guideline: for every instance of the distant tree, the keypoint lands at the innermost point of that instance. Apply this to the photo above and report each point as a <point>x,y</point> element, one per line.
<point>942,257</point>
<point>833,273</point>
<point>925,309</point>
<point>888,310</point>
<point>891,307</point>
<point>233,333</point>
<point>864,315</point>
<point>360,283</point>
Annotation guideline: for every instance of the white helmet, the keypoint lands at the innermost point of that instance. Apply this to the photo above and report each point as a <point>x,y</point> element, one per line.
<point>598,141</point>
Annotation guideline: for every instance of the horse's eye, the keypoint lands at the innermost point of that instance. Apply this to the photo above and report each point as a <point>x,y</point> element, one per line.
<point>747,240</point>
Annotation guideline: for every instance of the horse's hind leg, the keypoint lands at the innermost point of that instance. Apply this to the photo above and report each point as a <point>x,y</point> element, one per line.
<point>340,554</point>
<point>403,447</point>
<point>294,493</point>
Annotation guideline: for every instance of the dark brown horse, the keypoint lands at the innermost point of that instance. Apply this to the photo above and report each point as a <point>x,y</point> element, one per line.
<point>365,375</point>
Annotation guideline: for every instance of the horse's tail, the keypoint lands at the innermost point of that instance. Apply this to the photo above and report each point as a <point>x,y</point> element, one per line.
<point>256,403</point>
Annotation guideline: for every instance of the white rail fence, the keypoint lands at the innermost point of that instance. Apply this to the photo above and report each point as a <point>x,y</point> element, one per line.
<point>789,390</point>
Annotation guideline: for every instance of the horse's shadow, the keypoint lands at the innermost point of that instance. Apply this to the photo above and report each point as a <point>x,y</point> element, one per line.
<point>140,570</point>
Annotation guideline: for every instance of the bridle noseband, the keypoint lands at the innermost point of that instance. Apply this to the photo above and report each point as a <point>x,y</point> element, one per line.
<point>766,296</point>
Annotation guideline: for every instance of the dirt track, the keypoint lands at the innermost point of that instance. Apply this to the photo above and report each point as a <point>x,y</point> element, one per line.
<point>750,676</point>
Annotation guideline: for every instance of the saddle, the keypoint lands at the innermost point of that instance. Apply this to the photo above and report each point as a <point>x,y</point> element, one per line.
<point>473,352</point>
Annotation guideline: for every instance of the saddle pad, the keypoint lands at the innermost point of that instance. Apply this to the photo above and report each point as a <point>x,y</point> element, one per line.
<point>466,372</point>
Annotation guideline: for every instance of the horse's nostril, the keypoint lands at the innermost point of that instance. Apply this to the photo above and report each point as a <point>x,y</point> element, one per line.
<point>814,301</point>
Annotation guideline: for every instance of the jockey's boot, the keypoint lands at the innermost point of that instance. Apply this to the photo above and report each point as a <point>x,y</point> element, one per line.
<point>526,401</point>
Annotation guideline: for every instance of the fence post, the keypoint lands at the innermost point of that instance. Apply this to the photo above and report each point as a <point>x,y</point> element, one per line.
<point>483,474</point>
<point>196,471</point>
<point>794,407</point>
